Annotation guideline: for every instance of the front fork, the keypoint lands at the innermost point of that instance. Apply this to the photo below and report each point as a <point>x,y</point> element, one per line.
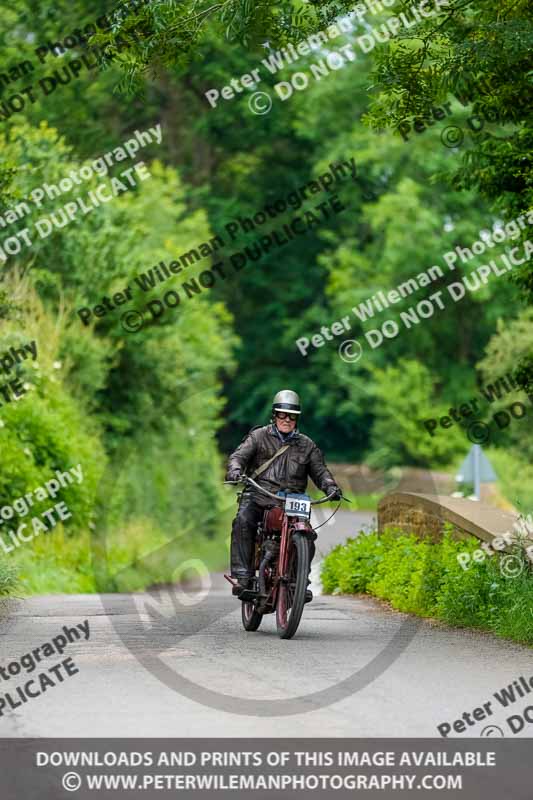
<point>291,525</point>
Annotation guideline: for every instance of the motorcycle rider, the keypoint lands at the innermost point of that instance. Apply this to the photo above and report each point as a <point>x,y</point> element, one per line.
<point>288,470</point>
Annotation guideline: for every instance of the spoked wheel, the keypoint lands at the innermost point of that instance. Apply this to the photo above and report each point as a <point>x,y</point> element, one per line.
<point>251,619</point>
<point>291,596</point>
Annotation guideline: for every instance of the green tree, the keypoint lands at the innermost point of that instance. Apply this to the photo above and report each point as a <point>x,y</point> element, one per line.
<point>152,400</point>
<point>404,396</point>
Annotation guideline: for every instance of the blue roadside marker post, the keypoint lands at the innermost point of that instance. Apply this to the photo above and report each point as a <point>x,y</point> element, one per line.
<point>476,469</point>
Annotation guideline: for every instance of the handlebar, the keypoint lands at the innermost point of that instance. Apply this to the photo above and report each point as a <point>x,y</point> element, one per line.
<point>246,480</point>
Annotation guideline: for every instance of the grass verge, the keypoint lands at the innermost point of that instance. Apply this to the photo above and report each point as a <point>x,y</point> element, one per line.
<point>8,578</point>
<point>137,555</point>
<point>423,578</point>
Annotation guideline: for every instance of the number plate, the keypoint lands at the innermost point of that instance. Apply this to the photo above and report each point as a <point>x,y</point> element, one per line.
<point>298,505</point>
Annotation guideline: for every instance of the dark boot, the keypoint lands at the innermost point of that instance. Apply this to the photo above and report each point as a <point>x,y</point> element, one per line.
<point>242,584</point>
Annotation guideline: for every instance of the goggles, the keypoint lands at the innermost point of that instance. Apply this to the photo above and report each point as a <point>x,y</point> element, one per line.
<point>283,415</point>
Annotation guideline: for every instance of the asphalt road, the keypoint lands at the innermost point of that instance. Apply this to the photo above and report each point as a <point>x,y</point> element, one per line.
<point>358,668</point>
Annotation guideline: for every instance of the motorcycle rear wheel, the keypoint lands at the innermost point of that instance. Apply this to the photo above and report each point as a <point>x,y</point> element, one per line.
<point>251,618</point>
<point>291,596</point>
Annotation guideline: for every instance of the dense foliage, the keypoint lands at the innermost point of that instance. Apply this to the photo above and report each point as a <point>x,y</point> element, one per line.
<point>427,579</point>
<point>151,412</point>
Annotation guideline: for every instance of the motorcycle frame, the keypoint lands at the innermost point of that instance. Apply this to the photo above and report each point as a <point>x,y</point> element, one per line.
<point>289,526</point>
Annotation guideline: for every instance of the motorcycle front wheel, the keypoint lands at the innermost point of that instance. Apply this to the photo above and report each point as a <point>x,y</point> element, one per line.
<point>291,595</point>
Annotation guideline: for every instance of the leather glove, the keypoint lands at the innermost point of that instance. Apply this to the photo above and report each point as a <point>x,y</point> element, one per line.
<point>234,476</point>
<point>337,492</point>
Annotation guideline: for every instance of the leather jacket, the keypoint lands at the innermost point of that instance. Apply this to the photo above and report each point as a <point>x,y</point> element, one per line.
<point>290,470</point>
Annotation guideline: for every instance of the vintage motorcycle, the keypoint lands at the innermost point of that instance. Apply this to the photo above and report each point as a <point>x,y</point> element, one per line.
<point>282,557</point>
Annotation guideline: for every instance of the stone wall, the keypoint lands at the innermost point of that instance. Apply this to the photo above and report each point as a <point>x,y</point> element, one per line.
<point>395,512</point>
<point>426,515</point>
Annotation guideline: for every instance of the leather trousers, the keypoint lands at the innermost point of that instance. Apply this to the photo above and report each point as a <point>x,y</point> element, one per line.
<point>243,534</point>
